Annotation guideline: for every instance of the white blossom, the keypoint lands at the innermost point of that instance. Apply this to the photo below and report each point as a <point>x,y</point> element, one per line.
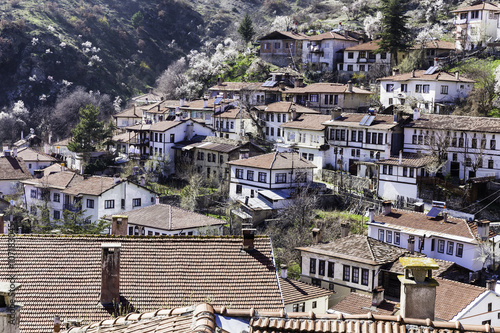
<point>51,28</point>
<point>87,44</point>
<point>43,97</point>
<point>32,78</point>
<point>34,41</point>
<point>63,44</point>
<point>50,78</point>
<point>66,83</point>
<point>48,51</point>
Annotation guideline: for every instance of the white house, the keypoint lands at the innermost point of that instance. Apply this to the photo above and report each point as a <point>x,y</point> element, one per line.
<point>306,135</point>
<point>358,140</point>
<point>234,124</point>
<point>467,144</point>
<point>476,25</point>
<point>270,176</point>
<point>365,57</point>
<point>35,160</point>
<point>434,234</point>
<point>128,117</point>
<point>321,51</point>
<point>431,89</point>
<point>12,170</point>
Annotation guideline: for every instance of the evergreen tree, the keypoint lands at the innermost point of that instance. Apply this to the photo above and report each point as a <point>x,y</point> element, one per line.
<point>246,29</point>
<point>395,34</point>
<point>89,132</point>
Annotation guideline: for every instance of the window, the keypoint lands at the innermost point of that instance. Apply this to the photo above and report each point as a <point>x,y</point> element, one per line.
<point>405,171</point>
<point>172,138</point>
<point>490,164</point>
<point>444,90</point>
<point>331,269</point>
<point>383,55</point>
<point>388,236</point>
<point>313,98</point>
<point>350,55</point>
<point>349,68</point>
<point>468,162</point>
<point>404,87</point>
<point>280,178</point>
<point>449,249</point>
<point>201,156</point>
<point>347,272</point>
<point>136,202</point>
<point>390,169</point>
<point>381,235</point>
<point>381,138</point>
<point>311,157</point>
<point>314,304</point>
<point>362,54</point>
<point>316,282</point>
<point>249,175</point>
<point>33,193</point>
<point>362,68</point>
<point>277,45</point>
<point>493,144</point>
<point>57,215</point>
<point>364,276</point>
<point>312,266</point>
<point>389,87</point>
<point>336,99</point>
<point>321,269</point>
<point>331,286</point>
<point>391,101</point>
<point>90,203</point>
<point>474,14</point>
<point>262,177</point>
<point>355,275</point>
<point>426,88</point>
<point>209,157</point>
<point>360,136</point>
<point>397,237</point>
<point>353,136</point>
<point>239,173</point>
<point>109,204</point>
<point>441,246</point>
<point>57,197</point>
<point>239,189</point>
<point>384,169</point>
<point>418,88</point>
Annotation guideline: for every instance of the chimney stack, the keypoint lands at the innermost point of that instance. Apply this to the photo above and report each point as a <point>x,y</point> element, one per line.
<point>336,113</point>
<point>395,71</point>
<point>57,324</point>
<point>157,200</point>
<point>483,229</point>
<point>387,207</point>
<point>281,85</point>
<point>10,312</point>
<point>349,86</point>
<point>377,296</point>
<point>418,288</point>
<point>248,239</point>
<point>110,281</point>
<point>181,102</point>
<point>316,233</point>
<point>119,225</point>
<point>299,83</point>
<point>371,215</point>
<point>219,81</point>
<point>344,229</point>
<point>457,75</point>
<point>284,271</point>
<point>413,73</point>
<point>416,114</point>
<point>205,102</point>
<point>491,284</point>
<point>400,157</point>
<point>411,244</point>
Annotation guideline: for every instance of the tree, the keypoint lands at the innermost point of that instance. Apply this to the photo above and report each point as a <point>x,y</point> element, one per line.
<point>137,19</point>
<point>246,29</point>
<point>395,34</point>
<point>89,132</point>
<point>75,222</point>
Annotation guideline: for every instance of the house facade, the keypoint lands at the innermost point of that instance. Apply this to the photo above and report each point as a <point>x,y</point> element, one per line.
<point>282,48</point>
<point>365,58</point>
<point>323,51</point>
<point>12,170</point>
<point>432,90</point>
<point>35,160</point>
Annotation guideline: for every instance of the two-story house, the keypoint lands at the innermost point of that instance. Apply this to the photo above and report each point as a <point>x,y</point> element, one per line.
<point>270,176</point>
<point>475,25</point>
<point>306,135</point>
<point>321,51</point>
<point>234,123</point>
<point>34,159</point>
<point>434,234</point>
<point>282,48</point>
<point>431,51</point>
<point>13,169</point>
<point>324,97</point>
<point>253,93</point>
<point>128,117</point>
<point>466,146</point>
<point>272,116</point>
<point>364,58</point>
<point>357,140</point>
<point>431,89</point>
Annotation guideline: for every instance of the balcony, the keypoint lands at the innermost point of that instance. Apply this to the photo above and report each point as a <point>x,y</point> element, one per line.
<point>137,142</point>
<point>461,21</point>
<point>73,207</point>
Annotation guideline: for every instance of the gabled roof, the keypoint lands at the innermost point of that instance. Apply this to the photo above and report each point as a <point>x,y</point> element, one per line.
<point>329,88</point>
<point>60,180</point>
<point>124,137</point>
<point>95,185</point>
<point>61,275</point>
<point>358,248</point>
<point>285,35</point>
<point>356,303</point>
<point>30,154</point>
<point>481,6</point>
<point>275,161</point>
<point>160,126</point>
<point>369,46</point>
<point>408,160</point>
<point>167,217</point>
<point>286,107</point>
<point>233,113</point>
<point>352,120</point>
<point>420,75</point>
<point>133,112</point>
<point>332,35</point>
<point>13,168</point>
<point>295,291</point>
<point>308,122</point>
<point>461,123</point>
<point>435,44</point>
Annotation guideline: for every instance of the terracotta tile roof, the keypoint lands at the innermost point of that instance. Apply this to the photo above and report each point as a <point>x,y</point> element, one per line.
<point>444,267</point>
<point>408,159</point>
<point>295,291</point>
<point>198,104</point>
<point>133,112</point>
<point>462,123</point>
<point>369,46</point>
<point>309,122</point>
<point>329,88</point>
<point>160,126</point>
<point>332,35</point>
<point>30,154</point>
<point>54,168</point>
<point>358,248</point>
<point>13,168</point>
<point>59,180</point>
<point>124,137</point>
<point>481,6</point>
<point>233,113</point>
<point>62,275</point>
<point>356,303</point>
<point>284,107</point>
<point>275,161</point>
<point>95,185</point>
<point>219,147</point>
<point>419,221</point>
<point>381,121</point>
<point>285,35</point>
<point>435,44</point>
<point>63,142</point>
<point>169,217</point>
<point>230,86</point>
<point>421,76</point>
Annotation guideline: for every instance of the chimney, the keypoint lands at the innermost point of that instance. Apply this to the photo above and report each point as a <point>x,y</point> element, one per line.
<point>159,107</point>
<point>299,83</point>
<point>457,76</point>
<point>346,33</point>
<point>336,113</point>
<point>418,288</point>
<point>2,224</point>
<point>14,152</point>
<point>316,233</point>
<point>395,71</point>
<point>349,86</point>
<point>413,73</point>
<point>282,85</point>
<point>181,102</point>
<point>387,206</point>
<point>400,157</point>
<point>10,312</point>
<point>119,225</point>
<point>445,217</point>
<point>205,102</point>
<point>143,181</point>
<point>157,200</point>
<point>57,323</point>
<point>411,244</point>
<point>344,229</point>
<point>483,229</point>
<point>377,296</point>
<point>22,135</point>
<point>416,114</point>
<point>371,215</point>
<point>248,239</point>
<point>219,81</point>
<point>491,284</point>
<point>284,271</point>
<point>110,282</point>
<point>436,61</point>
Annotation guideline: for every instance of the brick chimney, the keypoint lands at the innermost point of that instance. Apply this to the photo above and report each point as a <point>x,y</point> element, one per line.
<point>344,229</point>
<point>377,296</point>
<point>119,225</point>
<point>316,234</point>
<point>387,207</point>
<point>110,281</point>
<point>418,288</point>
<point>10,312</point>
<point>248,239</point>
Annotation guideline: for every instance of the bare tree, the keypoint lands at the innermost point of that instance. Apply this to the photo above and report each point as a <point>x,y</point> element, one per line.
<point>437,144</point>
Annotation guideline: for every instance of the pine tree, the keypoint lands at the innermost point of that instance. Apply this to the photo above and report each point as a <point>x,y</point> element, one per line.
<point>395,34</point>
<point>89,132</point>
<point>246,29</point>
